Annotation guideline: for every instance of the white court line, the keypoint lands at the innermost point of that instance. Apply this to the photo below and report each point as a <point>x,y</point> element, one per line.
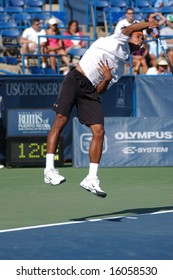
<point>161,212</point>
<point>79,222</point>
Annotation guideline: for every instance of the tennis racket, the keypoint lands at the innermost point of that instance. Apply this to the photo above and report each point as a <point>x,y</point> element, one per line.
<point>163,49</point>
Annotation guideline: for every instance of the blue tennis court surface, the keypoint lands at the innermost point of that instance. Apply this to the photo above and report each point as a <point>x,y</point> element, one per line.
<point>138,237</point>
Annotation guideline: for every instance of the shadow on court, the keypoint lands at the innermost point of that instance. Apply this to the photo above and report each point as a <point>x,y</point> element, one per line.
<point>126,212</point>
<point>135,237</point>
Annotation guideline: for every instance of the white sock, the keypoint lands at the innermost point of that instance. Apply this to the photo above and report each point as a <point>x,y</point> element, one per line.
<point>93,169</point>
<point>26,62</point>
<point>49,161</point>
<point>43,65</point>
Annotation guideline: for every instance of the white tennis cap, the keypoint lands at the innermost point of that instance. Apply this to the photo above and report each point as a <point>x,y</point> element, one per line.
<point>161,61</point>
<point>53,21</point>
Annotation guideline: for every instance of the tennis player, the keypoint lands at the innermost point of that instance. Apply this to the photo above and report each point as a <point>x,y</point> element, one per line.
<point>100,67</point>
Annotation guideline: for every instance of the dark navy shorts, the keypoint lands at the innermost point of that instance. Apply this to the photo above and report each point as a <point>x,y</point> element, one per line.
<point>78,90</point>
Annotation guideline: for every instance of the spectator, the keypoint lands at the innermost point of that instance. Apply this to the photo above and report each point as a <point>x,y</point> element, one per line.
<point>55,45</point>
<point>163,3</point>
<point>154,49</point>
<point>73,30</point>
<point>161,67</point>
<point>29,41</point>
<point>139,61</point>
<point>168,31</point>
<point>156,16</point>
<point>138,58</point>
<point>128,20</point>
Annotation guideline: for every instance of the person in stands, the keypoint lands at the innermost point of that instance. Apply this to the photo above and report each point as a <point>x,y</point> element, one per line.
<point>128,20</point>
<point>30,41</point>
<point>55,45</point>
<point>73,30</point>
<point>161,67</point>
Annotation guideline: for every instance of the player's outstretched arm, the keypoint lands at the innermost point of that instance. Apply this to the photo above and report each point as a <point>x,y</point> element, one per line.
<point>128,30</point>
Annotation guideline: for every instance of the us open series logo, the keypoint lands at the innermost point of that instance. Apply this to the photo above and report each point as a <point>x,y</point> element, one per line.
<point>85,140</point>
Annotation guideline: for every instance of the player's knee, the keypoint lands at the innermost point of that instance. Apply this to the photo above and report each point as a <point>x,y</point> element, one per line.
<point>99,132</point>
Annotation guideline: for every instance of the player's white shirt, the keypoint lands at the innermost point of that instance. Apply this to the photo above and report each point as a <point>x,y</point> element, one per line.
<point>32,35</point>
<point>114,49</point>
<point>122,23</point>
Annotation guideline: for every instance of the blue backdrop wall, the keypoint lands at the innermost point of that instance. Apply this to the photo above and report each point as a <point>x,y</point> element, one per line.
<point>141,96</point>
<point>30,92</point>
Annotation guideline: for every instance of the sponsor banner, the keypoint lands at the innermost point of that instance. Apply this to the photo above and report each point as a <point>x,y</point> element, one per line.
<point>154,96</point>
<point>118,100</point>
<point>29,122</point>
<point>127,142</point>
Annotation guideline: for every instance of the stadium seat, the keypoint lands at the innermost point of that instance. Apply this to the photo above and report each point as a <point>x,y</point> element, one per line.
<point>142,3</point>
<point>48,70</point>
<point>17,3</point>
<point>10,40</point>
<point>11,60</point>
<point>23,20</point>
<point>3,60</point>
<point>111,16</point>
<point>14,9</point>
<point>118,3</point>
<point>32,9</point>
<point>8,24</point>
<point>36,70</point>
<point>42,16</point>
<point>4,17</point>
<point>35,3</point>
<point>148,10</point>
<point>77,52</point>
<point>10,33</point>
<point>62,18</point>
<point>166,10</point>
<point>97,13</point>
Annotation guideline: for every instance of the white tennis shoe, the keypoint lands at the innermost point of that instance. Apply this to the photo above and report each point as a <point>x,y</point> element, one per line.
<point>53,177</point>
<point>92,185</point>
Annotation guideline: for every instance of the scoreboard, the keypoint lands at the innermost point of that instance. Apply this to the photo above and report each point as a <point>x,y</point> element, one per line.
<point>31,151</point>
<point>27,131</point>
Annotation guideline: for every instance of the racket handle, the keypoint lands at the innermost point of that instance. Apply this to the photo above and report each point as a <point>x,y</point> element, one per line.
<point>156,32</point>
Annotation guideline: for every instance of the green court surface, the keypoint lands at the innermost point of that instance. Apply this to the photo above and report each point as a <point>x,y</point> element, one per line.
<point>25,200</point>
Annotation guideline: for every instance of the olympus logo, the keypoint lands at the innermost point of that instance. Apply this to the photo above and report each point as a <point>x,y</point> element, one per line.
<point>143,137</point>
